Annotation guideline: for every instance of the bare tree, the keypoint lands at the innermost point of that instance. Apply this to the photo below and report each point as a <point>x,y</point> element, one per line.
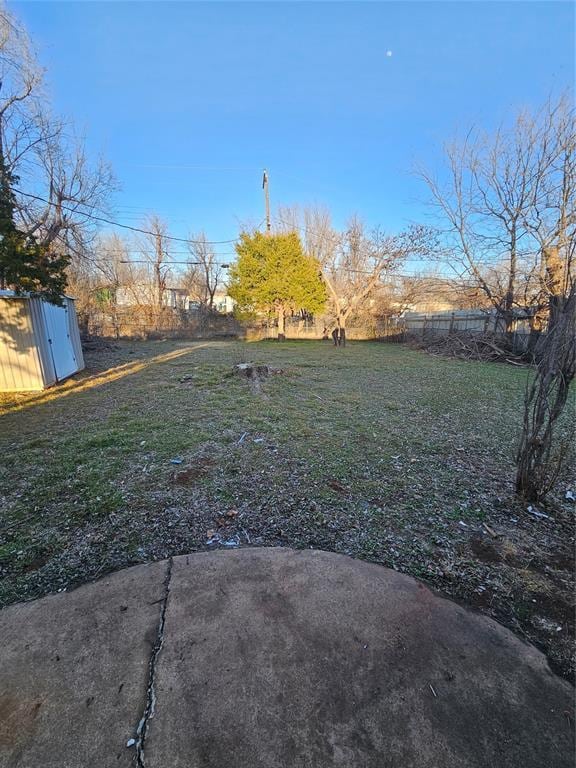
<point>314,225</point>
<point>108,280</point>
<point>112,264</point>
<point>364,262</point>
<point>75,192</point>
<point>352,262</point>
<point>154,247</point>
<point>509,213</point>
<point>424,292</point>
<point>356,264</point>
<point>541,456</point>
<point>58,190</point>
<point>20,87</point>
<point>355,269</point>
<point>491,202</point>
<point>204,275</point>
<point>551,219</point>
<point>551,216</point>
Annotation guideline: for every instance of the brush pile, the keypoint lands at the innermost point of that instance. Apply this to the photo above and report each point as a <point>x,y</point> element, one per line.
<point>468,345</point>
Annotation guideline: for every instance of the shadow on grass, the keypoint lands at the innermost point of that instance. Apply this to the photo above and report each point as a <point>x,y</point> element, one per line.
<point>74,386</point>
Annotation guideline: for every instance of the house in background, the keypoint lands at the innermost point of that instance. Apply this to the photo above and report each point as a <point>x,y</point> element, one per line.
<point>176,298</point>
<point>223,303</point>
<point>143,295</point>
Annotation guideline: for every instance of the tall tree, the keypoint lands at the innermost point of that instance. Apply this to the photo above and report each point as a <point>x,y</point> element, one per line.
<point>503,197</point>
<point>541,456</point>
<point>273,274</point>
<point>204,274</point>
<point>354,270</point>
<point>154,248</point>
<point>356,264</point>
<point>508,210</point>
<point>551,219</point>
<point>75,191</point>
<point>24,264</point>
<point>59,190</point>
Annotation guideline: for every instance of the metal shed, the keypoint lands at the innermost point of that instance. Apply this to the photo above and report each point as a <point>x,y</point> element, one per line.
<point>39,342</point>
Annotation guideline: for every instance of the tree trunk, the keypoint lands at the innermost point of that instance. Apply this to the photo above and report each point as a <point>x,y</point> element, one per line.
<point>540,457</point>
<point>281,324</point>
<point>510,288</point>
<point>509,322</point>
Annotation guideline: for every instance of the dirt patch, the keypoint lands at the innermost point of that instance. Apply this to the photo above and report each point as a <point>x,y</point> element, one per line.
<point>485,550</point>
<point>337,486</point>
<point>191,475</point>
<point>38,562</point>
<point>555,610</point>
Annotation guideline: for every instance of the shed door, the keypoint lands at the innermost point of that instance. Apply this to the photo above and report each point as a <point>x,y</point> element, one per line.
<point>61,347</point>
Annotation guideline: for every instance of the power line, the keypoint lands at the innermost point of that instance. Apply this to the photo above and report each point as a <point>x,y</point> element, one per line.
<point>170,254</point>
<point>118,224</point>
<point>170,263</point>
<point>161,264</point>
<point>185,167</point>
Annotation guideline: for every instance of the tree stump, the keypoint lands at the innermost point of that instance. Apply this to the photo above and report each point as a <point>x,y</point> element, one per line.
<point>255,374</point>
<point>252,371</point>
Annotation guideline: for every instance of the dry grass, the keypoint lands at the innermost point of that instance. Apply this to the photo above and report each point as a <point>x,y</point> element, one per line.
<point>375,450</point>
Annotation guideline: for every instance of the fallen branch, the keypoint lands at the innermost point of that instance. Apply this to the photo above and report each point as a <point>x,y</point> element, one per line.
<point>467,345</point>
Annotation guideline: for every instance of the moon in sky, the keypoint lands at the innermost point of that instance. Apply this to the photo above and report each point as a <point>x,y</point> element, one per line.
<point>388,53</point>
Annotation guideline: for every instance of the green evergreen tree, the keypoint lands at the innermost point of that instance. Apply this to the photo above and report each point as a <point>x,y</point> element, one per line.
<point>273,274</point>
<point>26,266</point>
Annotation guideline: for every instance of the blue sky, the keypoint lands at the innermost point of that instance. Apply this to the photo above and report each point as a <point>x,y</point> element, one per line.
<point>189,101</point>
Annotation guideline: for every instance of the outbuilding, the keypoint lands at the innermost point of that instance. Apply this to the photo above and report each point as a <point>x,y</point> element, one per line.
<point>39,342</point>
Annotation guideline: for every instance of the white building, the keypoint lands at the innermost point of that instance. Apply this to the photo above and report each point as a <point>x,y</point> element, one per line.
<point>143,295</point>
<point>223,303</point>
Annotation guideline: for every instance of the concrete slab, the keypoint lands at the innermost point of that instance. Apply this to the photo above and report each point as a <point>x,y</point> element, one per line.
<point>271,658</point>
<point>282,659</point>
<point>74,672</point>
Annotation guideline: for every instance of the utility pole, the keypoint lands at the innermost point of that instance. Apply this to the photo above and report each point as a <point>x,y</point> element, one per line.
<point>267,199</point>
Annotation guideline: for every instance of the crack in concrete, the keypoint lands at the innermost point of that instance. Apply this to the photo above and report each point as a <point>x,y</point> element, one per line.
<point>150,706</point>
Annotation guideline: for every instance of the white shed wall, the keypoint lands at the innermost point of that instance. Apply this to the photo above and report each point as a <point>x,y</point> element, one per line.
<point>20,367</point>
<point>42,345</point>
<point>74,331</point>
<point>39,343</point>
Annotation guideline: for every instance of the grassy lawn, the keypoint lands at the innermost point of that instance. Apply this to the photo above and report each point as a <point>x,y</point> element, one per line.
<point>376,451</point>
